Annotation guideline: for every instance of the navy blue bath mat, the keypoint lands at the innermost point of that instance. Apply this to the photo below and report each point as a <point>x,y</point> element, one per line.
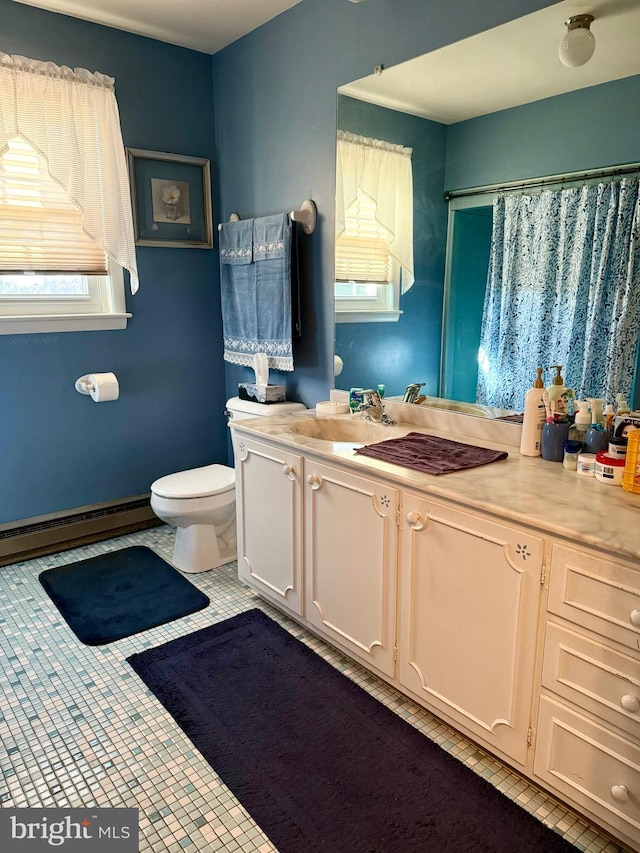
<point>319,764</point>
<point>114,595</point>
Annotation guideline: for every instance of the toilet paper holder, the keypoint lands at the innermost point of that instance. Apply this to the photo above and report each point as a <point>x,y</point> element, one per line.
<point>99,386</point>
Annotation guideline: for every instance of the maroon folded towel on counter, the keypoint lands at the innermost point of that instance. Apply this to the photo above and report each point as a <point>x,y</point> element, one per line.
<point>431,454</point>
<point>514,419</point>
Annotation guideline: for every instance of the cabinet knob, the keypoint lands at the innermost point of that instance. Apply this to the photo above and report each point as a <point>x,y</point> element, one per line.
<point>620,793</point>
<point>415,521</point>
<point>630,702</point>
<point>635,618</point>
<point>288,470</point>
<point>314,481</point>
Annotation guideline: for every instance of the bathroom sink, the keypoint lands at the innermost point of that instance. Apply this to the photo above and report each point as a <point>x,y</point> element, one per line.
<point>344,429</point>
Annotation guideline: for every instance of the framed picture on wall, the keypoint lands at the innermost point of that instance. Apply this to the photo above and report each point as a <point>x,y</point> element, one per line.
<point>171,199</point>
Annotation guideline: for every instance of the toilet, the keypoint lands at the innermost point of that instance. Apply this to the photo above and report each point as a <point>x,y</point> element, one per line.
<point>201,502</point>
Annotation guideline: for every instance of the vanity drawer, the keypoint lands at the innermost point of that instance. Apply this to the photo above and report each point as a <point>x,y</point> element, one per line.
<point>593,676</point>
<point>595,593</point>
<point>596,769</point>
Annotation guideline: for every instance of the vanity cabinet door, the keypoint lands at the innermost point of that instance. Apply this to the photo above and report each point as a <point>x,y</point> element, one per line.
<point>470,590</point>
<point>350,562</point>
<point>269,520</point>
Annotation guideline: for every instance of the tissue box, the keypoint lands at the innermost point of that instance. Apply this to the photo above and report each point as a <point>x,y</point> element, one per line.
<point>261,393</point>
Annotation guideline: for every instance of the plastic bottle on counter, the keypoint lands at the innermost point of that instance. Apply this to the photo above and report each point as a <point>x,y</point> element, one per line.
<point>533,418</point>
<point>558,392</point>
<point>622,407</point>
<point>582,422</point>
<point>609,415</point>
<point>596,405</point>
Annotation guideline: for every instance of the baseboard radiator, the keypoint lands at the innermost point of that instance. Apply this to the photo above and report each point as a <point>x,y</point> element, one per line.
<point>59,531</point>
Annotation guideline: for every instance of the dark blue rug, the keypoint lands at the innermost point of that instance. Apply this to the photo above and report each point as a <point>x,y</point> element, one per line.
<point>114,595</point>
<point>319,764</point>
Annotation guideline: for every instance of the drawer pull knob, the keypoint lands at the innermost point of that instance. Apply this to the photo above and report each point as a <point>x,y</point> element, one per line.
<point>288,469</point>
<point>630,702</point>
<point>635,618</point>
<point>620,793</point>
<point>314,481</point>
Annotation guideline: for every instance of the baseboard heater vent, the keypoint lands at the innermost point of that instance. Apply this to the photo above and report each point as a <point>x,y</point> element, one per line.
<point>59,531</point>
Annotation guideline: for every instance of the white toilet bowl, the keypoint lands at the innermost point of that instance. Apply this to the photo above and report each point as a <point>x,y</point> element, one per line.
<point>200,504</point>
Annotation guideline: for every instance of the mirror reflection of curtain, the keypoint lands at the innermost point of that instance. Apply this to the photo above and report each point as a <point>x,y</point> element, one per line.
<point>382,171</point>
<point>562,261</point>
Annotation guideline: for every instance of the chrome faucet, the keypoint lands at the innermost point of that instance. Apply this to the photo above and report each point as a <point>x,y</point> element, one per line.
<point>373,408</point>
<point>412,392</point>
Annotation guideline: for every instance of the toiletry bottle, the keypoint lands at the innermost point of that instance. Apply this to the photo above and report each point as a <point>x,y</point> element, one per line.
<point>622,407</point>
<point>557,390</point>
<point>609,415</point>
<point>582,422</point>
<point>596,404</point>
<point>534,418</point>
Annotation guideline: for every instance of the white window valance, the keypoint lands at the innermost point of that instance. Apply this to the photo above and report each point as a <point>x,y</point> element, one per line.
<point>70,118</point>
<point>379,171</point>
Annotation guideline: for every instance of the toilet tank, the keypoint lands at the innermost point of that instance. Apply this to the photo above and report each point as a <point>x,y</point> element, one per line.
<point>238,409</point>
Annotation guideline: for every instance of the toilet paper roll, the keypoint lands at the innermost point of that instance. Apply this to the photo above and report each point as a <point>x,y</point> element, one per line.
<point>99,386</point>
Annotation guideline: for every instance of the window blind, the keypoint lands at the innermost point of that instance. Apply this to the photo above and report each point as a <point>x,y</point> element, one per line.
<point>362,249</point>
<point>40,228</point>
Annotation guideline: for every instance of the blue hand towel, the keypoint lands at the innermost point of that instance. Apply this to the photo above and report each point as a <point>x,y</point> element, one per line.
<point>255,283</point>
<point>272,257</point>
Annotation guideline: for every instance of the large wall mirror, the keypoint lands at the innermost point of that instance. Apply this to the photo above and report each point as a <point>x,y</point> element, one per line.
<point>479,115</point>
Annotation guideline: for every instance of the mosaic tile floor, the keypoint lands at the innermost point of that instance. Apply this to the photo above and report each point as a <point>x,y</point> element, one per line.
<point>79,729</point>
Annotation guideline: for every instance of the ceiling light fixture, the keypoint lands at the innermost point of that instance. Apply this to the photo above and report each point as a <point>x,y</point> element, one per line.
<point>578,45</point>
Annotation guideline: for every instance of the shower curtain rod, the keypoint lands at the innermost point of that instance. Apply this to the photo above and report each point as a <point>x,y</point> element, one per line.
<point>612,171</point>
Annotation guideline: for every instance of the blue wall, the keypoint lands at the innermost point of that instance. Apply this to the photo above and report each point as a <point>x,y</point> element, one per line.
<point>408,350</point>
<point>60,450</point>
<point>271,141</point>
<point>587,129</point>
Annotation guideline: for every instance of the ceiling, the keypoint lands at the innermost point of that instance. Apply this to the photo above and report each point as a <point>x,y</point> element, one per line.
<point>513,64</point>
<point>204,25</point>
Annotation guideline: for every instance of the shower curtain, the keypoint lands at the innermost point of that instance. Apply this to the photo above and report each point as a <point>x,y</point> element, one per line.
<point>563,287</point>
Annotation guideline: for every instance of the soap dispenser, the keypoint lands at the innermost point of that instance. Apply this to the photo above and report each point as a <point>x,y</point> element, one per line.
<point>534,417</point>
<point>581,423</point>
<point>557,391</point>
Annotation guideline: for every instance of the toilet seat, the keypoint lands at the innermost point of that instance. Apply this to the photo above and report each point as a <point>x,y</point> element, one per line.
<point>195,483</point>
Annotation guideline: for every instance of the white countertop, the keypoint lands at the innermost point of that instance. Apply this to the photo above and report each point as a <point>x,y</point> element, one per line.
<point>527,490</point>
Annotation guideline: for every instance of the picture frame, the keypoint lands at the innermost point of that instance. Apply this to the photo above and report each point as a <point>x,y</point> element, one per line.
<point>170,199</point>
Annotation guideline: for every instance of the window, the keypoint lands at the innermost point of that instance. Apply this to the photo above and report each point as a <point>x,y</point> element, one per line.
<point>374,228</point>
<point>65,212</point>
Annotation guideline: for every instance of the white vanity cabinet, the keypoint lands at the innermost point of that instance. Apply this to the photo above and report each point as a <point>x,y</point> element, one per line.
<point>508,631</point>
<point>269,519</point>
<point>588,738</point>
<point>350,562</point>
<point>469,603</point>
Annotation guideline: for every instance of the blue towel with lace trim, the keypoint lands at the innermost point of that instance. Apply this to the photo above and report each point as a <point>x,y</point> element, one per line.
<point>255,283</point>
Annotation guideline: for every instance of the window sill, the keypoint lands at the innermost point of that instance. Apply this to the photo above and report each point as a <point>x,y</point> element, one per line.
<point>25,325</point>
<point>367,316</point>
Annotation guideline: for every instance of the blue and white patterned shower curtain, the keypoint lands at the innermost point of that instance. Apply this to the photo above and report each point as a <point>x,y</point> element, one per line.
<point>563,288</point>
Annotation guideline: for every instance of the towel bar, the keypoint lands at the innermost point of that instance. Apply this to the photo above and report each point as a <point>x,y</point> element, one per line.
<point>306,216</point>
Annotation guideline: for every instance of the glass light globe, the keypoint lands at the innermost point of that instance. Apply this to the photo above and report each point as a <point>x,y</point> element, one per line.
<point>577,47</point>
